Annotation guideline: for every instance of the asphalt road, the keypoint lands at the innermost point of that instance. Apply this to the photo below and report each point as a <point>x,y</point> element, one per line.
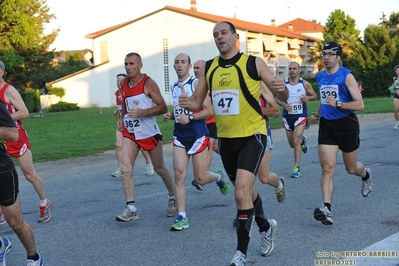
<point>86,199</point>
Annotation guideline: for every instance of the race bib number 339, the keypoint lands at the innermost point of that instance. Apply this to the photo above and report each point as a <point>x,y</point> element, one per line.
<point>327,90</point>
<point>226,102</point>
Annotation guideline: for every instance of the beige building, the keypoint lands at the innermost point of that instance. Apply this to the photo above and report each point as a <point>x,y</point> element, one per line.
<point>159,36</point>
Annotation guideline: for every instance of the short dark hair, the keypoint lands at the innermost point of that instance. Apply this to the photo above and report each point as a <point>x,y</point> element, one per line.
<point>336,47</point>
<point>231,26</point>
<point>397,66</point>
<point>121,75</point>
<point>136,55</point>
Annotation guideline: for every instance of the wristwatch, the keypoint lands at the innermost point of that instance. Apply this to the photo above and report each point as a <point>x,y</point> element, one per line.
<point>191,117</point>
<point>338,104</point>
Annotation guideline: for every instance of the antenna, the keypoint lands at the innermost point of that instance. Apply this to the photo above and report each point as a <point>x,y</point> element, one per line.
<point>288,8</point>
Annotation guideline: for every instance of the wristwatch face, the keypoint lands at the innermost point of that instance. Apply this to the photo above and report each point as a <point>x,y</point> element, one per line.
<point>191,117</point>
<point>339,103</point>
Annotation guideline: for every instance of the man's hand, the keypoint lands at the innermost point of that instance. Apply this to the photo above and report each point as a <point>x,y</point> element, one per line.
<point>168,116</point>
<point>183,99</point>
<point>330,100</point>
<point>314,117</point>
<point>134,112</point>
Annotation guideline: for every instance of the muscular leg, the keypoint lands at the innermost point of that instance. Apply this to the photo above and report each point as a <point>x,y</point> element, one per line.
<point>118,145</point>
<point>396,109</point>
<point>129,154</point>
<point>180,162</point>
<point>23,230</point>
<point>352,166</point>
<point>160,167</point>
<point>297,141</point>
<point>26,164</point>
<point>264,175</point>
<point>328,160</point>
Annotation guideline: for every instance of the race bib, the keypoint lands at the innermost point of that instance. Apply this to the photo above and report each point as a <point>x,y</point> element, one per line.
<point>180,111</point>
<point>327,90</point>
<point>296,108</point>
<point>132,124</point>
<point>226,102</point>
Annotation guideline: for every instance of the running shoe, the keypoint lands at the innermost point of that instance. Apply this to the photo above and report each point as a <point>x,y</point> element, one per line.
<point>223,183</point>
<point>45,212</point>
<point>2,218</point>
<point>196,185</point>
<point>267,237</point>
<point>117,173</point>
<point>149,169</point>
<point>323,215</point>
<point>39,262</point>
<point>367,186</point>
<point>179,224</point>
<point>5,246</point>
<point>304,145</point>
<point>296,172</point>
<point>396,126</point>
<point>127,215</point>
<point>281,193</point>
<point>172,208</point>
<point>239,259</point>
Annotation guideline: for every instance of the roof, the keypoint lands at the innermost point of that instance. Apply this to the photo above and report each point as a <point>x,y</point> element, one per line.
<point>239,24</point>
<point>300,25</point>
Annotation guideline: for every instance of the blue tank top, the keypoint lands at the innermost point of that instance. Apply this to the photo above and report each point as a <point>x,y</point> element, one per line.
<point>196,128</point>
<point>334,84</point>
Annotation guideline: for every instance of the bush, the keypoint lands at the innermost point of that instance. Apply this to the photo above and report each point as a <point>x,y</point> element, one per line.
<point>63,106</point>
<point>28,98</point>
<point>57,91</point>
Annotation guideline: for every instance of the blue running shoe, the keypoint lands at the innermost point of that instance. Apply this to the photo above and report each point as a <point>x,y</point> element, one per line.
<point>4,249</point>
<point>304,145</point>
<point>296,172</point>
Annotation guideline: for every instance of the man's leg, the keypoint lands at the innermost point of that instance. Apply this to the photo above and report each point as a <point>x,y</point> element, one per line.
<point>26,164</point>
<point>163,171</point>
<point>328,160</point>
<point>23,230</point>
<point>129,154</point>
<point>354,167</point>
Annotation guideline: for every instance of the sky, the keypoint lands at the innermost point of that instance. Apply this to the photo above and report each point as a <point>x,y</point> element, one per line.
<point>78,18</point>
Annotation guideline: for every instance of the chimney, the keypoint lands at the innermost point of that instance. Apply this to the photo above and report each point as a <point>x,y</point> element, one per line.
<point>290,27</point>
<point>273,23</point>
<point>193,5</point>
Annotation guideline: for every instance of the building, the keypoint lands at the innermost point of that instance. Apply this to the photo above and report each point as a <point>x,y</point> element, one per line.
<point>159,36</point>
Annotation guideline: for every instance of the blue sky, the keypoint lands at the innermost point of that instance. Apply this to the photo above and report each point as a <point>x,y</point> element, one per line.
<point>80,17</point>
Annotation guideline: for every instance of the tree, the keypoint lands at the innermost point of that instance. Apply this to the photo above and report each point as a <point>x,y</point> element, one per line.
<point>337,23</point>
<point>23,44</point>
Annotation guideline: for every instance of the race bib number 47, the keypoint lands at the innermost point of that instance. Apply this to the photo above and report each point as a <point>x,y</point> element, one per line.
<point>226,102</point>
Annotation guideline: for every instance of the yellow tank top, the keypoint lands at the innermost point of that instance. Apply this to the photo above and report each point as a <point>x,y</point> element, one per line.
<point>235,116</point>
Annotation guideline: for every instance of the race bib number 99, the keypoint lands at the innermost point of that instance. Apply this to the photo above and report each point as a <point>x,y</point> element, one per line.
<point>132,124</point>
<point>226,102</point>
<point>327,90</point>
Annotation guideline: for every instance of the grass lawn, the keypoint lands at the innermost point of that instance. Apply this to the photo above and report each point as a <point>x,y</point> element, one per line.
<point>86,132</point>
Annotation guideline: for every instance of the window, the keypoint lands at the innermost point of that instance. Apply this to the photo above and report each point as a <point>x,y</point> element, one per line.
<point>166,65</point>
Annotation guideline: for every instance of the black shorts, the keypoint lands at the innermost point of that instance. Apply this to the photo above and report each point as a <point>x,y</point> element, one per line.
<point>395,95</point>
<point>212,130</point>
<point>242,153</point>
<point>8,187</point>
<point>343,132</point>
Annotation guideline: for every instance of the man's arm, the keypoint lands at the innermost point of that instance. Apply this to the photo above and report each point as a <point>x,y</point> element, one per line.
<point>151,89</point>
<point>357,104</point>
<point>310,93</point>
<point>12,96</point>
<point>8,130</point>
<point>207,109</point>
<point>275,84</point>
<point>272,109</point>
<point>195,101</point>
<point>8,133</point>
